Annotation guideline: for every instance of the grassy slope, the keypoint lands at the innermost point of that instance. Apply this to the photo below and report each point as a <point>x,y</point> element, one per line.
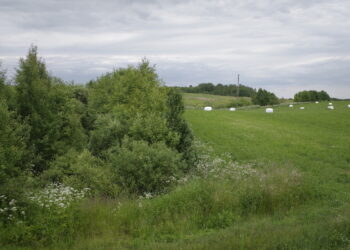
<point>193,100</point>
<point>315,140</point>
<point>311,139</point>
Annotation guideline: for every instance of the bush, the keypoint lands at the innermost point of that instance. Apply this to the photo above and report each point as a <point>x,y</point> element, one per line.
<point>82,170</point>
<point>141,167</point>
<point>109,132</point>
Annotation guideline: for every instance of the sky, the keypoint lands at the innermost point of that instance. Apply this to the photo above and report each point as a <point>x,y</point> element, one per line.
<point>284,46</point>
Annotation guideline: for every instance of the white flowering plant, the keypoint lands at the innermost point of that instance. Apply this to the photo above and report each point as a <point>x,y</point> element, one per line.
<point>10,212</point>
<point>57,195</point>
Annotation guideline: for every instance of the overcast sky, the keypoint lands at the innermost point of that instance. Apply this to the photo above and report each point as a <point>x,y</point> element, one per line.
<point>284,45</point>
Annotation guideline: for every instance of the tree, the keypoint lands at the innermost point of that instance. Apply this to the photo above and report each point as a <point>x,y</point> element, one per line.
<point>177,123</point>
<point>49,108</point>
<point>323,96</point>
<point>14,155</point>
<point>263,98</point>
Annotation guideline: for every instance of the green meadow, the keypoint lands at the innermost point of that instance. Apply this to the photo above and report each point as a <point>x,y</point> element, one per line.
<point>315,141</point>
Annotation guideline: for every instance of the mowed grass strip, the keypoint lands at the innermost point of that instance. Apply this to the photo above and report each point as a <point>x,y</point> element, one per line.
<point>198,101</point>
<point>313,138</point>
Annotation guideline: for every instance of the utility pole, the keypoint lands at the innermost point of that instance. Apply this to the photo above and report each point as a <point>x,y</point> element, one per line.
<point>238,85</point>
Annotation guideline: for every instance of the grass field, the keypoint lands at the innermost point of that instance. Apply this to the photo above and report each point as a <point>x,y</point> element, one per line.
<point>192,100</point>
<point>316,141</point>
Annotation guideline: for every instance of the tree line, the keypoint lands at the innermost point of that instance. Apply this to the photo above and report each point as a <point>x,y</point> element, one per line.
<point>311,96</point>
<point>220,89</point>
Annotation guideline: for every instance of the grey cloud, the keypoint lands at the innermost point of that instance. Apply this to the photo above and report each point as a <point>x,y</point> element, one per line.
<point>282,45</point>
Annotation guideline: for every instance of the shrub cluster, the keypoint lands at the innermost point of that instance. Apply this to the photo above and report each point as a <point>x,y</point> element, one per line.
<point>123,132</point>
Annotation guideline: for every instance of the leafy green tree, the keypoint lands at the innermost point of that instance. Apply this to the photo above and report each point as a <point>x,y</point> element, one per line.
<point>49,108</point>
<point>128,91</point>
<point>263,98</point>
<point>128,102</point>
<point>324,96</point>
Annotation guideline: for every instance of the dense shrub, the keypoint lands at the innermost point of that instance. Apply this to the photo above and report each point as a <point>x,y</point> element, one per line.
<point>82,170</point>
<point>109,132</point>
<point>141,167</point>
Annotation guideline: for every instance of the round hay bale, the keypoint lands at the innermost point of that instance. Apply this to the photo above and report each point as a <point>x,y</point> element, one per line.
<point>232,109</point>
<point>302,108</point>
<point>269,110</point>
<point>208,108</point>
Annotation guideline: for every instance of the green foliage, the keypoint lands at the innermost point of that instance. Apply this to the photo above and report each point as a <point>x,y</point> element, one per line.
<point>263,98</point>
<point>128,91</point>
<point>14,155</point>
<point>82,170</point>
<point>49,108</point>
<point>50,215</point>
<point>141,167</point>
<point>219,89</point>
<point>130,103</point>
<point>109,132</point>
<point>7,94</point>
<point>177,123</point>
<point>311,96</point>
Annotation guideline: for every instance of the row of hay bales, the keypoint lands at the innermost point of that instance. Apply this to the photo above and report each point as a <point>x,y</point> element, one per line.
<point>270,110</point>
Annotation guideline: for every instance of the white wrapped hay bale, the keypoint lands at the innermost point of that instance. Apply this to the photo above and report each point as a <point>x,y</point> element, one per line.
<point>349,106</point>
<point>269,110</point>
<point>208,108</point>
<point>302,108</point>
<point>330,107</point>
<point>330,103</point>
<point>232,109</point>
<point>291,105</point>
<point>316,102</point>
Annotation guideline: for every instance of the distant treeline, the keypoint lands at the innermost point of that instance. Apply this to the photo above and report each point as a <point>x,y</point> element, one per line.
<point>220,89</point>
<point>311,96</point>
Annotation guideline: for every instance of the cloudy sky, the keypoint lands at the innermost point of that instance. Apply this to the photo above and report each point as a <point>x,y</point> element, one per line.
<point>282,45</point>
